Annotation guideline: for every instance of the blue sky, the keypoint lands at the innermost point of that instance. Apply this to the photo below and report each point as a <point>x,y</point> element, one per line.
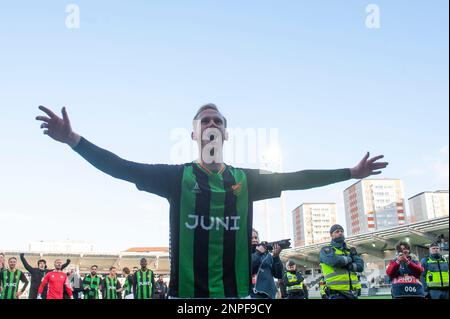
<point>133,72</point>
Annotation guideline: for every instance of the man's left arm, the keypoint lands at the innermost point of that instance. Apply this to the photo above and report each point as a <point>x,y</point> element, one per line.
<point>316,178</point>
<point>265,185</point>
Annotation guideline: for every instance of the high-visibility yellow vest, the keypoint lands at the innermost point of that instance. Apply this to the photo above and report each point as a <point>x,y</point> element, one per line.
<point>293,278</point>
<point>340,278</point>
<point>437,273</point>
<point>323,288</point>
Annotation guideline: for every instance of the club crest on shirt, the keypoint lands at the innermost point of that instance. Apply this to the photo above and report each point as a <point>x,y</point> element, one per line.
<point>237,189</point>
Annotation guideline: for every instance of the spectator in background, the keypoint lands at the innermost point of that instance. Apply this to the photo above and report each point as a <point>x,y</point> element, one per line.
<point>76,282</point>
<point>160,288</point>
<point>405,271</point>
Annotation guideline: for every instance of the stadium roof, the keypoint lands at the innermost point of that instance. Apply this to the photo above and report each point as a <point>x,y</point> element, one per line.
<point>377,242</point>
<point>147,249</point>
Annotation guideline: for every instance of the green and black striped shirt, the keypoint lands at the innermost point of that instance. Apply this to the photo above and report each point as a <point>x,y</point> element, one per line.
<point>109,288</point>
<point>9,281</point>
<point>143,284</point>
<point>211,216</point>
<point>91,286</point>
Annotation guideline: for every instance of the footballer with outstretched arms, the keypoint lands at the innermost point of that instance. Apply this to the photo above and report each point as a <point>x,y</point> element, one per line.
<point>211,203</point>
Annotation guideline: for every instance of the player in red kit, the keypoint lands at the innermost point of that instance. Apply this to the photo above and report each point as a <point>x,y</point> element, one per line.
<point>57,281</point>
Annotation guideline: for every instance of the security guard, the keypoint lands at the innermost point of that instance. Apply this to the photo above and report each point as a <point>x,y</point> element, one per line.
<point>435,275</point>
<point>339,265</point>
<point>293,281</point>
<point>323,288</point>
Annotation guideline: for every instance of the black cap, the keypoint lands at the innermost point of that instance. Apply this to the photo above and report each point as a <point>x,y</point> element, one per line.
<point>336,227</point>
<point>435,244</point>
<point>291,263</point>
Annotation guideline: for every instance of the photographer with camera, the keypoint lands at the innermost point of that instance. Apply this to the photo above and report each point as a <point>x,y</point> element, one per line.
<point>340,264</point>
<point>265,267</point>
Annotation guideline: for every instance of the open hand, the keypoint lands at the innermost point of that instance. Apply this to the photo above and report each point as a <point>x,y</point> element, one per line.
<point>367,167</point>
<point>58,128</point>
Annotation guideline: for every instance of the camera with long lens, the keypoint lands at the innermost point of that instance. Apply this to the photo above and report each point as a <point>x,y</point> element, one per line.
<point>284,244</point>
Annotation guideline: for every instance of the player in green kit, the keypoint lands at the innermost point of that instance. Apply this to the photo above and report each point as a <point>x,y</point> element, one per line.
<point>211,203</point>
<point>91,284</point>
<point>143,282</point>
<point>9,281</point>
<point>110,286</point>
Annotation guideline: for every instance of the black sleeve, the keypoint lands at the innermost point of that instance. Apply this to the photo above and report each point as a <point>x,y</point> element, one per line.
<point>256,262</point>
<point>156,179</point>
<point>265,185</point>
<point>277,268</point>
<point>133,284</point>
<point>23,279</point>
<point>102,287</point>
<point>64,266</point>
<point>153,285</point>
<point>26,264</point>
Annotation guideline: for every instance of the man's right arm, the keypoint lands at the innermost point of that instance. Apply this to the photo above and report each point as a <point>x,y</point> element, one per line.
<point>151,178</point>
<point>26,264</point>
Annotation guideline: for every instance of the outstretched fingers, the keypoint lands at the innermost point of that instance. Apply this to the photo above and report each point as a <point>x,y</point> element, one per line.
<point>64,114</point>
<point>48,112</point>
<point>44,119</point>
<point>379,165</point>
<point>365,157</point>
<point>376,158</point>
